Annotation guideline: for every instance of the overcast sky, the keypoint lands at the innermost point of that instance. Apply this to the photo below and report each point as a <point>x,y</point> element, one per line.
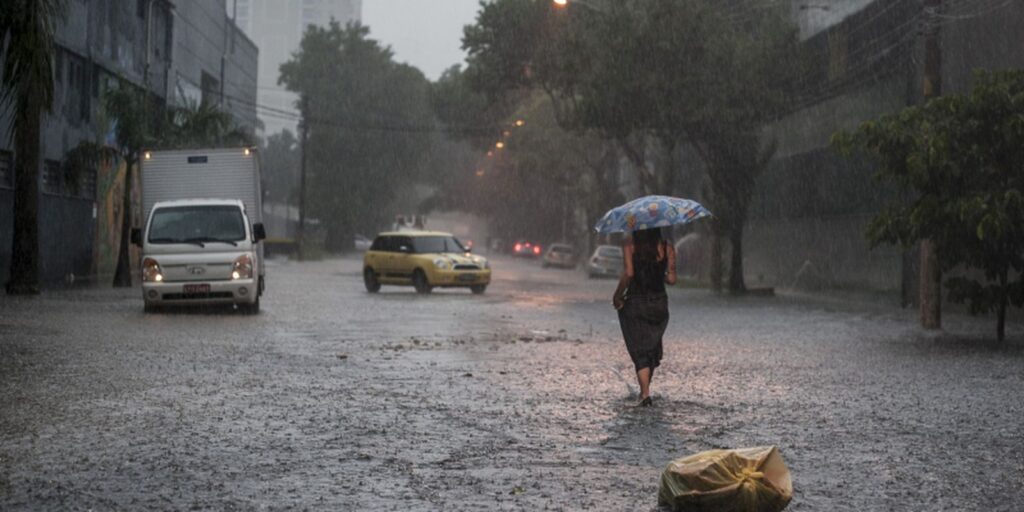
<point>424,33</point>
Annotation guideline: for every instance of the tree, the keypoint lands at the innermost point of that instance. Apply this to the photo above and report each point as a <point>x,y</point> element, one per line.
<point>685,72</point>
<point>369,125</point>
<point>27,40</point>
<point>280,166</point>
<point>957,160</point>
<point>136,128</point>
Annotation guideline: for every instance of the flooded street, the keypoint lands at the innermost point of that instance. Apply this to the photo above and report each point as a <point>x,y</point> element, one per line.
<point>520,399</point>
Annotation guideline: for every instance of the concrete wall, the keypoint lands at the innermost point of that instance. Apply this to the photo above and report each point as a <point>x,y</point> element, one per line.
<point>812,205</point>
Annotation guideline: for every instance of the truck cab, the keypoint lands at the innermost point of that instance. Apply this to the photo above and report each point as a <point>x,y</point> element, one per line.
<point>200,251</point>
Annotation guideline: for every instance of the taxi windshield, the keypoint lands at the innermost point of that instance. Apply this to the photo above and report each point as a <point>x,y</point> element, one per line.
<point>436,244</point>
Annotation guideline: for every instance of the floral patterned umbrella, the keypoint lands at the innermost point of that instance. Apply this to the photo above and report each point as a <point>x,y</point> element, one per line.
<point>651,212</point>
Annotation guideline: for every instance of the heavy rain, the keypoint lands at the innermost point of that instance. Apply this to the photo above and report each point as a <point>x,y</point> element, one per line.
<point>731,255</point>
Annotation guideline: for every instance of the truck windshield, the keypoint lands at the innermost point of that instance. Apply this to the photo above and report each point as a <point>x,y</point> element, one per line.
<point>436,244</point>
<point>197,224</point>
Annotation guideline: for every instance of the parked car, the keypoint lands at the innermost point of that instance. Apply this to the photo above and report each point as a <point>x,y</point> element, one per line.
<point>361,243</point>
<point>526,249</point>
<point>424,260</point>
<point>605,262</point>
<point>560,255</point>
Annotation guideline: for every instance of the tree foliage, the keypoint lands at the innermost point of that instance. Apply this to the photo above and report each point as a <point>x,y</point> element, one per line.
<point>369,123</point>
<point>280,166</point>
<point>694,73</point>
<point>958,160</point>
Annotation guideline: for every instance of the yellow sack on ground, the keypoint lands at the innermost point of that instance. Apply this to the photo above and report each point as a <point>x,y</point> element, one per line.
<point>738,480</point>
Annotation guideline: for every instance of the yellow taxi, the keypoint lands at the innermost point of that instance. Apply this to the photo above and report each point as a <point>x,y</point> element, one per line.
<point>425,260</point>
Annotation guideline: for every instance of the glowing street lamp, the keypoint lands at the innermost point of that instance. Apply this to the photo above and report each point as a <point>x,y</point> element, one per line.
<point>562,4</point>
<point>520,122</point>
<point>499,144</point>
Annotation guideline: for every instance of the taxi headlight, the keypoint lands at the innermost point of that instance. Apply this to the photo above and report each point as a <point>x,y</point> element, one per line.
<point>151,271</point>
<point>242,268</point>
<point>442,264</point>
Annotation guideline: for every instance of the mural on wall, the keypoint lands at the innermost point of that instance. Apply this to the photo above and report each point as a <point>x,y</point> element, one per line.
<point>109,212</point>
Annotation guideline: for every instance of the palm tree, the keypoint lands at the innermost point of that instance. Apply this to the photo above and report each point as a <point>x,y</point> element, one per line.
<point>135,130</point>
<point>28,27</point>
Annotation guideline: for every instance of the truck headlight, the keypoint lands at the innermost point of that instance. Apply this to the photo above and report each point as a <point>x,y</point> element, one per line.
<point>483,263</point>
<point>151,271</point>
<point>441,263</point>
<point>242,269</point>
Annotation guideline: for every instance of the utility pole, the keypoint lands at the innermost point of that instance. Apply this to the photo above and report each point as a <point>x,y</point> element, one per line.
<point>930,285</point>
<point>304,129</point>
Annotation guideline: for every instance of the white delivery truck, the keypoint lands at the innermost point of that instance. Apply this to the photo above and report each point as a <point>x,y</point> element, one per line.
<point>203,228</point>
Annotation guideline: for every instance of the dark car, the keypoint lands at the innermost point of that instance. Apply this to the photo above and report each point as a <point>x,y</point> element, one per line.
<point>526,249</point>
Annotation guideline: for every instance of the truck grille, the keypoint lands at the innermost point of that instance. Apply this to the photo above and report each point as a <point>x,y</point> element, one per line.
<point>197,296</point>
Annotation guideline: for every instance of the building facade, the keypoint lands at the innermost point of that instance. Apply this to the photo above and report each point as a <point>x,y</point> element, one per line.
<point>808,222</point>
<point>277,27</point>
<point>178,51</point>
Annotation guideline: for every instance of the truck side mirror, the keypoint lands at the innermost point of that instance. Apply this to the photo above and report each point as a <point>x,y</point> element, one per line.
<point>258,232</point>
<point>136,237</point>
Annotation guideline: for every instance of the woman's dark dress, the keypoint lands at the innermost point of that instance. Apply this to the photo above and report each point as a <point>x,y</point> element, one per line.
<point>644,317</point>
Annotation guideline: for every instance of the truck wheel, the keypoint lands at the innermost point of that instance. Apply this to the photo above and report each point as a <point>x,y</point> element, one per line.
<point>419,281</point>
<point>370,280</point>
<point>478,289</point>
<point>250,309</point>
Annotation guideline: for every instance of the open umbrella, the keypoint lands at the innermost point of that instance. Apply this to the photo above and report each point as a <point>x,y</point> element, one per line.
<point>651,212</point>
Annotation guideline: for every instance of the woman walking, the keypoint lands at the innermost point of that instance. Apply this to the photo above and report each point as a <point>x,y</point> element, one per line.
<point>650,263</point>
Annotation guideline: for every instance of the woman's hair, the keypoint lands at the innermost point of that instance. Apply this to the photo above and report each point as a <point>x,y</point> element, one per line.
<point>646,242</point>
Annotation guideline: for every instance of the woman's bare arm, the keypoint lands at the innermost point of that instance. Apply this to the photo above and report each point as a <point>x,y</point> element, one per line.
<point>627,275</point>
<point>670,275</point>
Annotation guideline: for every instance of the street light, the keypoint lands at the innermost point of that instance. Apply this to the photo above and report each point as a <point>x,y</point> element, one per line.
<point>499,144</point>
<point>562,4</point>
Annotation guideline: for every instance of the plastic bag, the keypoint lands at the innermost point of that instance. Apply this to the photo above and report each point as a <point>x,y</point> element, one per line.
<point>737,480</point>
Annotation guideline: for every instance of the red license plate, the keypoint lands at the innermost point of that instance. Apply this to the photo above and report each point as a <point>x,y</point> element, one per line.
<point>197,288</point>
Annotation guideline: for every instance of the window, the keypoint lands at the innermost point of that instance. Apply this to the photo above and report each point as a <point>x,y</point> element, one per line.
<point>210,89</point>
<point>78,98</point>
<point>380,244</point>
<point>87,184</point>
<point>58,66</point>
<point>53,177</point>
<point>168,35</point>
<point>6,169</point>
<point>400,242</point>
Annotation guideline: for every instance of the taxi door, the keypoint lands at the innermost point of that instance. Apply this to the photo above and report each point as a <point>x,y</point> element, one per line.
<point>404,258</point>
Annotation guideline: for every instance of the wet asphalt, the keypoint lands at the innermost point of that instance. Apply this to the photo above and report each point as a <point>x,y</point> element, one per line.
<point>520,399</point>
